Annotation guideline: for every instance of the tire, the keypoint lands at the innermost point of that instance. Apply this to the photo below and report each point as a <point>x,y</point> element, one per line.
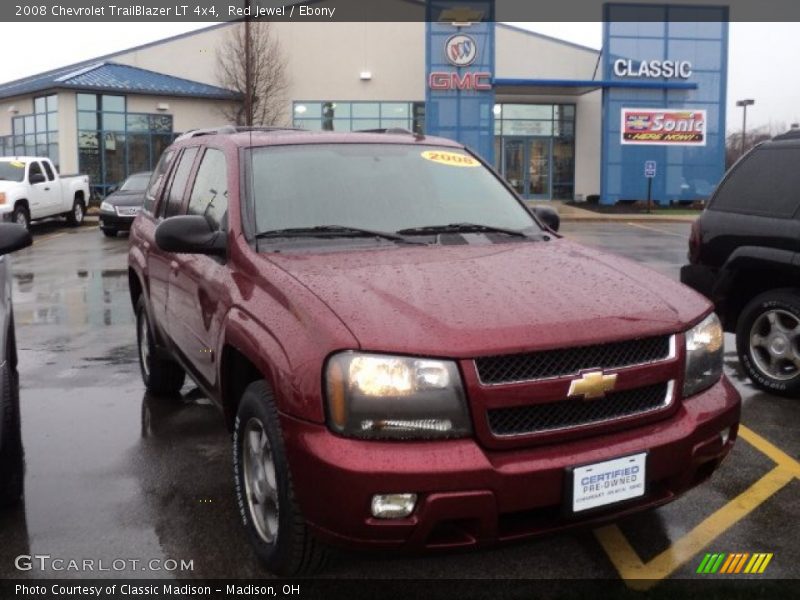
<point>12,466</point>
<point>768,343</point>
<point>22,216</point>
<point>78,212</point>
<point>281,539</point>
<point>162,377</point>
<point>112,233</point>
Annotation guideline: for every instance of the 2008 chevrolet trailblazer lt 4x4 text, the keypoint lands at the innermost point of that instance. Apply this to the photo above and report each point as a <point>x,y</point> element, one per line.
<point>407,357</point>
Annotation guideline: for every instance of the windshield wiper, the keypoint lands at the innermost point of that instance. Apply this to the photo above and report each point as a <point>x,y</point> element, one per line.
<point>460,228</point>
<point>332,231</point>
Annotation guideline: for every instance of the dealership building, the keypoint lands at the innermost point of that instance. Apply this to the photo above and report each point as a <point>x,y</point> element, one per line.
<point>558,120</point>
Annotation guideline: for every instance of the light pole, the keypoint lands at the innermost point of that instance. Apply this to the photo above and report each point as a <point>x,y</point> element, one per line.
<point>744,104</point>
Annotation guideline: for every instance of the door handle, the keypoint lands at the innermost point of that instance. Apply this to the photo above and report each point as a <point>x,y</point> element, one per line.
<point>47,189</point>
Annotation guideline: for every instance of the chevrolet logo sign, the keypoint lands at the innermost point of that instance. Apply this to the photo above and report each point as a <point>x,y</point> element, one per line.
<point>592,385</point>
<point>460,15</point>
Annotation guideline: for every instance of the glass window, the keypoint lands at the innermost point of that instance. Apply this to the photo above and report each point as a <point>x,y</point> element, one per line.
<point>362,124</point>
<point>138,152</point>
<point>307,110</point>
<point>52,154</point>
<point>52,103</point>
<point>160,123</point>
<point>87,102</point>
<point>174,204</point>
<point>114,157</point>
<point>48,171</point>
<point>30,124</point>
<point>136,122</point>
<point>40,105</point>
<point>135,183</point>
<point>87,120</point>
<point>34,169</point>
<point>365,109</point>
<point>527,111</point>
<point>52,121</point>
<point>114,103</point>
<point>113,122</point>
<point>395,110</point>
<point>766,182</point>
<point>210,192</point>
<point>518,127</point>
<point>18,125</point>
<point>156,179</point>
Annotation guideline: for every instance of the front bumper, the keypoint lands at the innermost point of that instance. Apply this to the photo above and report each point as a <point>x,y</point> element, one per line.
<point>115,222</point>
<point>469,496</point>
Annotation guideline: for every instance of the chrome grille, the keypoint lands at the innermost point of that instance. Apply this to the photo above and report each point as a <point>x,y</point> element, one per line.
<point>568,414</point>
<point>511,368</point>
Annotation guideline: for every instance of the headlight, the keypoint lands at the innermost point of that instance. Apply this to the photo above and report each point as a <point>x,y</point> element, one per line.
<point>704,347</point>
<point>106,207</point>
<point>382,396</point>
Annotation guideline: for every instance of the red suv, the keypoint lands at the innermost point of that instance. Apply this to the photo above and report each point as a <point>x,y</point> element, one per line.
<point>407,356</point>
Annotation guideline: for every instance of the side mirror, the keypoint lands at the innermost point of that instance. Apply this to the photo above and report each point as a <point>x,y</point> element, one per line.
<point>36,178</point>
<point>191,234</point>
<point>548,216</point>
<point>13,237</point>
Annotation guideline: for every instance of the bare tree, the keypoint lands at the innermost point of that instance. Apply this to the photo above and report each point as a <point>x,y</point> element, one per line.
<point>267,74</point>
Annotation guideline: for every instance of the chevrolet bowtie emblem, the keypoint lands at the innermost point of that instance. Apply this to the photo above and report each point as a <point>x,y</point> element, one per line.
<point>592,385</point>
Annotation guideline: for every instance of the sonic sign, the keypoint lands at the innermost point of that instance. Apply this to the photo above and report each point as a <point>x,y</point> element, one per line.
<point>460,50</point>
<point>663,127</point>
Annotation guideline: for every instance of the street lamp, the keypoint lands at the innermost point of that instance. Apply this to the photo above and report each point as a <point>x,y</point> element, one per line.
<point>744,104</point>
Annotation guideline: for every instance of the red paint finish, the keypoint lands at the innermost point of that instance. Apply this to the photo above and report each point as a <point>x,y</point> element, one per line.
<point>288,312</point>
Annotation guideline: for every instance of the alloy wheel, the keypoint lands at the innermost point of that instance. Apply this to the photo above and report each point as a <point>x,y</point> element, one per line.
<point>261,486</point>
<point>775,344</point>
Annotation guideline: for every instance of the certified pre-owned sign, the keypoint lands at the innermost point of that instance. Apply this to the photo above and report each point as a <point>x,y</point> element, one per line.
<point>663,127</point>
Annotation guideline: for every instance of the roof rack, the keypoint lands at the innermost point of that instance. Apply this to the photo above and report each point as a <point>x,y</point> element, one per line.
<point>792,134</point>
<point>230,129</point>
<point>393,130</point>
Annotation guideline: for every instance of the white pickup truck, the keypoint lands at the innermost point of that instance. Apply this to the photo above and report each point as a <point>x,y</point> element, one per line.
<point>31,188</point>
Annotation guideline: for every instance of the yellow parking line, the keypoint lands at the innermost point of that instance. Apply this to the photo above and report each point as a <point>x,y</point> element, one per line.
<point>641,576</point>
<point>680,235</point>
<point>775,453</point>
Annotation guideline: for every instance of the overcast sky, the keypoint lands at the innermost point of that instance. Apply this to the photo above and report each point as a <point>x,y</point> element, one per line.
<point>761,57</point>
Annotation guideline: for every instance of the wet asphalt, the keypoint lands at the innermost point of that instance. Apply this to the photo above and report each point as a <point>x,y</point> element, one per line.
<point>115,474</point>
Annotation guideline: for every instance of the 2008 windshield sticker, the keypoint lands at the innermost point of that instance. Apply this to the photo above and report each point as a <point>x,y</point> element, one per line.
<point>450,158</point>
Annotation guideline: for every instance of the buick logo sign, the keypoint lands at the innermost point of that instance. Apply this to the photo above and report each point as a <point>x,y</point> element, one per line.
<point>461,50</point>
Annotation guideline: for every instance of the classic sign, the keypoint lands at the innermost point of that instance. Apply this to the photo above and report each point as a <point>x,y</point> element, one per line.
<point>664,127</point>
<point>670,69</point>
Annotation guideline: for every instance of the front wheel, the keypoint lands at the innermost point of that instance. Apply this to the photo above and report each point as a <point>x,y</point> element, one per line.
<point>75,216</point>
<point>264,491</point>
<point>161,376</point>
<point>768,342</point>
<point>11,454</point>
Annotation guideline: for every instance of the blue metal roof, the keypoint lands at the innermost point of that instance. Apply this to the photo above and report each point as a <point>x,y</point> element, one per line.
<point>108,76</point>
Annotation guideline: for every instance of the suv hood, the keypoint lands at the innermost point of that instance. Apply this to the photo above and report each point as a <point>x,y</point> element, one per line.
<point>468,300</point>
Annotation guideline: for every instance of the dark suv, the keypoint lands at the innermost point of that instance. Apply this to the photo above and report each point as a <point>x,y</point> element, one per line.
<point>407,357</point>
<point>744,254</point>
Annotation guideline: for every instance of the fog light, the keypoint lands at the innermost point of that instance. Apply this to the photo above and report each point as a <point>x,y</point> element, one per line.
<point>725,435</point>
<point>393,506</point>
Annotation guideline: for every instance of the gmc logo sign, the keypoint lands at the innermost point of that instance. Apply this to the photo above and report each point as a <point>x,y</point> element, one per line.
<point>441,80</point>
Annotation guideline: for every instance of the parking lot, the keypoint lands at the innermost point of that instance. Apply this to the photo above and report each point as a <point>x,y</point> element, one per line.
<point>113,473</point>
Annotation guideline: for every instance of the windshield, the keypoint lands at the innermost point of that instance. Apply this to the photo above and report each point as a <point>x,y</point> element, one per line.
<point>380,187</point>
<point>13,170</point>
<point>136,183</point>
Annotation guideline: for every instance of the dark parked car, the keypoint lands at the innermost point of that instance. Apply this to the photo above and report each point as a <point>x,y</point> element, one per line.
<point>744,254</point>
<point>12,237</point>
<point>408,359</point>
<point>120,207</point>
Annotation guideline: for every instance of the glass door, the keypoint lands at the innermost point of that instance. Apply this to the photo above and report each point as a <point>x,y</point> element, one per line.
<point>514,160</point>
<point>538,161</point>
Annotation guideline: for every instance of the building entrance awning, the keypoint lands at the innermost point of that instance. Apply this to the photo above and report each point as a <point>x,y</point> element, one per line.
<point>577,87</point>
